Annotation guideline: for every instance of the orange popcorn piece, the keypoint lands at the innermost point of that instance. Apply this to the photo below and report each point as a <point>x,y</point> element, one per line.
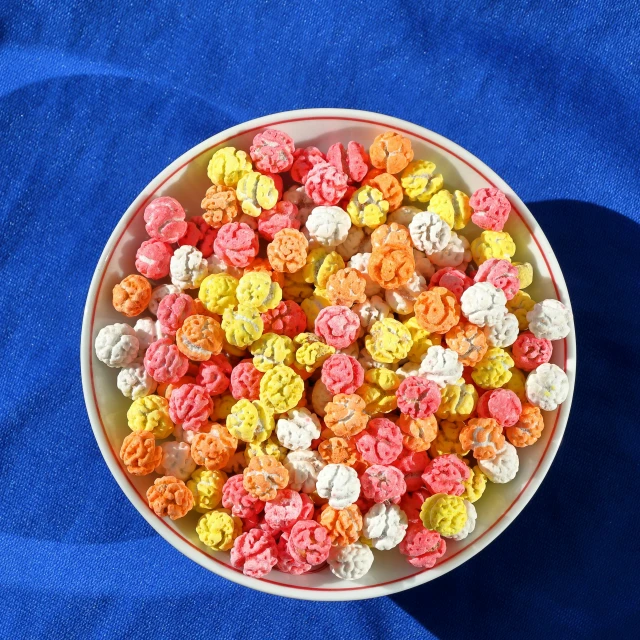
<point>201,310</point>
<point>437,310</point>
<point>418,433</point>
<point>528,428</point>
<point>388,185</point>
<point>393,234</point>
<point>469,341</point>
<point>214,448</point>
<point>337,450</point>
<point>483,436</point>
<point>344,525</point>
<point>200,337</point>
<point>391,151</point>
<point>168,496</point>
<point>132,295</point>
<point>346,416</point>
<point>391,266</point>
<point>346,287</point>
<point>220,205</point>
<point>287,252</point>
<point>264,477</point>
<point>140,453</point>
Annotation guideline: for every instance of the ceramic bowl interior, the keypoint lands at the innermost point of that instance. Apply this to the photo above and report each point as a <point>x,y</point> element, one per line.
<point>186,180</point>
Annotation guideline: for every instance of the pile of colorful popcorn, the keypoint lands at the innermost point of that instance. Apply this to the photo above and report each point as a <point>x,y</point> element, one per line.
<point>332,367</point>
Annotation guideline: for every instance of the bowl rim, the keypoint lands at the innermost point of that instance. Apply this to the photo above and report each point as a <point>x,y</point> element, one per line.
<point>210,562</point>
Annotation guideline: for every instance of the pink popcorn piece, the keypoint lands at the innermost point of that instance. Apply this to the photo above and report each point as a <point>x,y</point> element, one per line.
<point>190,406</point>
<point>284,511</point>
<point>325,184</point>
<point>308,507</point>
<point>491,209</point>
<point>445,474</point>
<point>236,244</point>
<point>304,160</point>
<point>173,310</point>
<point>501,274</point>
<point>286,563</point>
<point>422,546</point>
<point>287,319</point>
<point>411,503</point>
<point>241,503</point>
<point>530,352</point>
<point>164,362</point>
<point>354,161</point>
<point>418,397</point>
<point>380,443</point>
<point>255,552</point>
<point>272,151</point>
<point>283,216</point>
<point>381,483</point>
<point>165,219</point>
<point>412,464</point>
<point>342,374</point>
<point>153,259</point>
<point>452,279</point>
<point>309,542</point>
<point>337,326</point>
<point>245,381</point>
<point>215,375</point>
<point>199,235</point>
<point>502,405</point>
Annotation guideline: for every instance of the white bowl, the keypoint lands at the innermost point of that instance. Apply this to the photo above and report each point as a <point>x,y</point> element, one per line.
<point>186,180</point>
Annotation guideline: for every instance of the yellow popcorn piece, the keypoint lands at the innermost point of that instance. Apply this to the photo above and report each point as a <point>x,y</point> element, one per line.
<point>379,390</point>
<point>218,292</point>
<point>242,326</point>
<point>458,401</point>
<point>448,439</point>
<point>494,370</point>
<point>206,487</point>
<point>312,352</point>
<point>475,485</point>
<point>525,273</point>
<point>520,305</point>
<point>420,181</point>
<point>227,166</point>
<point>321,265</point>
<point>256,289</point>
<point>218,529</point>
<point>368,208</point>
<point>222,407</point>
<point>270,447</point>
<point>313,305</point>
<point>453,208</point>
<point>517,384</point>
<point>388,341</point>
<point>150,413</point>
<point>421,340</point>
<point>250,421</point>
<point>271,350</point>
<point>492,244</point>
<point>281,389</point>
<point>256,192</point>
<point>444,513</point>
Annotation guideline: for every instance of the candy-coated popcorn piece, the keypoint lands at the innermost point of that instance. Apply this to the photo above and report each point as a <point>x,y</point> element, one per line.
<point>392,234</point>
<point>134,382</point>
<point>468,341</point>
<point>238,499</point>
<point>429,232</point>
<point>492,244</point>
<point>190,406</point>
<point>312,352</point>
<point>547,387</point>
<point>220,205</point>
<point>272,150</point>
<point>338,326</point>
<point>269,447</point>
<point>250,421</point>
<point>286,562</point>
<point>140,454</point>
<point>255,192</point>
<point>520,305</point>
<point>150,413</point>
<point>502,467</point>
<point>458,401</point>
<point>164,220</point>
<point>367,207</point>
<point>351,245</point>
<point>131,296</point>
<point>158,294</point>
<point>288,251</point>
<point>525,273</point>
<point>286,319</point>
<point>380,443</point>
<point>309,542</point>
<point>451,279</point>
<point>452,206</point>
<point>387,184</point>
<point>214,375</point>
<point>338,450</point>
<point>264,477</point>
<point>391,152</point>
<point>312,307</point>
<point>173,310</point>
<point>346,287</point>
<point>444,514</point>
<point>402,300</point>
<point>255,552</point>
<point>446,474</point>
<point>517,384</point>
<point>328,226</point>
<point>325,184</point>
<point>343,525</point>
<point>200,338</point>
<point>256,289</point>
<point>483,304</point>
<point>437,310</point>
<point>321,265</point>
<point>470,525</point>
<point>474,485</point>
<point>188,267</point>
<point>502,333</point>
<point>391,266</point>
<point>169,496</point>
<point>176,460</point>
<point>360,262</point>
<point>298,429</point>
<point>284,215</point>
<point>199,235</point>
<point>421,340</point>
<point>242,325</point>
<point>303,468</point>
<point>417,433</point>
<point>549,320</point>
<point>490,208</point>
<point>447,439</point>
<point>528,428</point>
<point>207,488</point>
<point>342,374</point>
<point>418,397</point>
<point>218,529</point>
<point>227,166</point>
<point>388,341</point>
<point>382,483</point>
<point>117,345</point>
<point>245,381</point>
<point>213,449</point>
<point>284,510</point>
<point>320,398</point>
<point>153,259</point>
<point>494,370</point>
<point>281,389</point>
<point>270,350</point>
<point>423,547</point>
<point>456,253</point>
<point>339,484</point>
<point>379,390</point>
<point>352,562</point>
<point>441,365</point>
<point>303,161</point>
<point>483,436</point>
<point>218,292</point>
<point>530,352</point>
<point>385,525</point>
<point>421,182</point>
<point>353,161</point>
<point>501,274</point>
<point>164,362</point>
<point>236,244</point>
<point>412,464</point>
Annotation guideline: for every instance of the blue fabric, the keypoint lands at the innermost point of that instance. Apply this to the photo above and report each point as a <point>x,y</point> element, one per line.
<point>97,97</point>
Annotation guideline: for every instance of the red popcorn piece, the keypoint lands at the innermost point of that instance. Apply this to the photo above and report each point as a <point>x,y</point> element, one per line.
<point>272,151</point>
<point>284,511</point>
<point>245,381</point>
<point>412,464</point>
<point>287,319</point>
<point>342,374</point>
<point>418,397</point>
<point>304,160</point>
<point>501,274</point>
<point>491,209</point>
<point>347,197</point>
<point>381,483</point>
<point>286,563</point>
<point>190,406</point>
<point>164,219</point>
<point>239,500</point>
<point>452,279</point>
<point>325,184</point>
<point>214,375</point>
<point>309,542</point>
<point>283,216</point>
<point>173,310</point>
<point>502,405</point>
<point>337,326</point>
<point>236,244</point>
<point>422,546</point>
<point>164,362</point>
<point>445,474</point>
<point>354,161</point>
<point>380,443</point>
<point>199,235</point>
<point>411,503</point>
<point>308,507</point>
<point>255,552</point>
<point>530,352</point>
<point>153,259</point>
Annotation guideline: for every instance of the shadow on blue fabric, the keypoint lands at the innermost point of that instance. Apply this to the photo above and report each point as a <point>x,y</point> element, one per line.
<point>584,509</point>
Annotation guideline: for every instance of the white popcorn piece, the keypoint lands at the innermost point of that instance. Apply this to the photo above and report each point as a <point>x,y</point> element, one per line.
<point>215,265</point>
<point>483,304</point>
<point>299,197</point>
<point>403,215</point>
<point>469,525</point>
<point>298,429</point>
<point>117,345</point>
<point>350,245</point>
<point>158,294</point>
<point>339,484</point>
<point>385,525</point>
<point>547,386</point>
<point>351,562</point>
<point>303,468</point>
<point>550,320</point>
<point>503,467</point>
<point>504,332</point>
<point>352,350</point>
<point>407,370</point>
<point>328,226</point>
<point>402,299</point>
<point>146,332</point>
<point>441,365</point>
<point>360,261</point>
<point>188,267</point>
<point>371,311</point>
<point>176,460</point>
<point>456,252</point>
<point>429,232</point>
<point>134,382</point>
